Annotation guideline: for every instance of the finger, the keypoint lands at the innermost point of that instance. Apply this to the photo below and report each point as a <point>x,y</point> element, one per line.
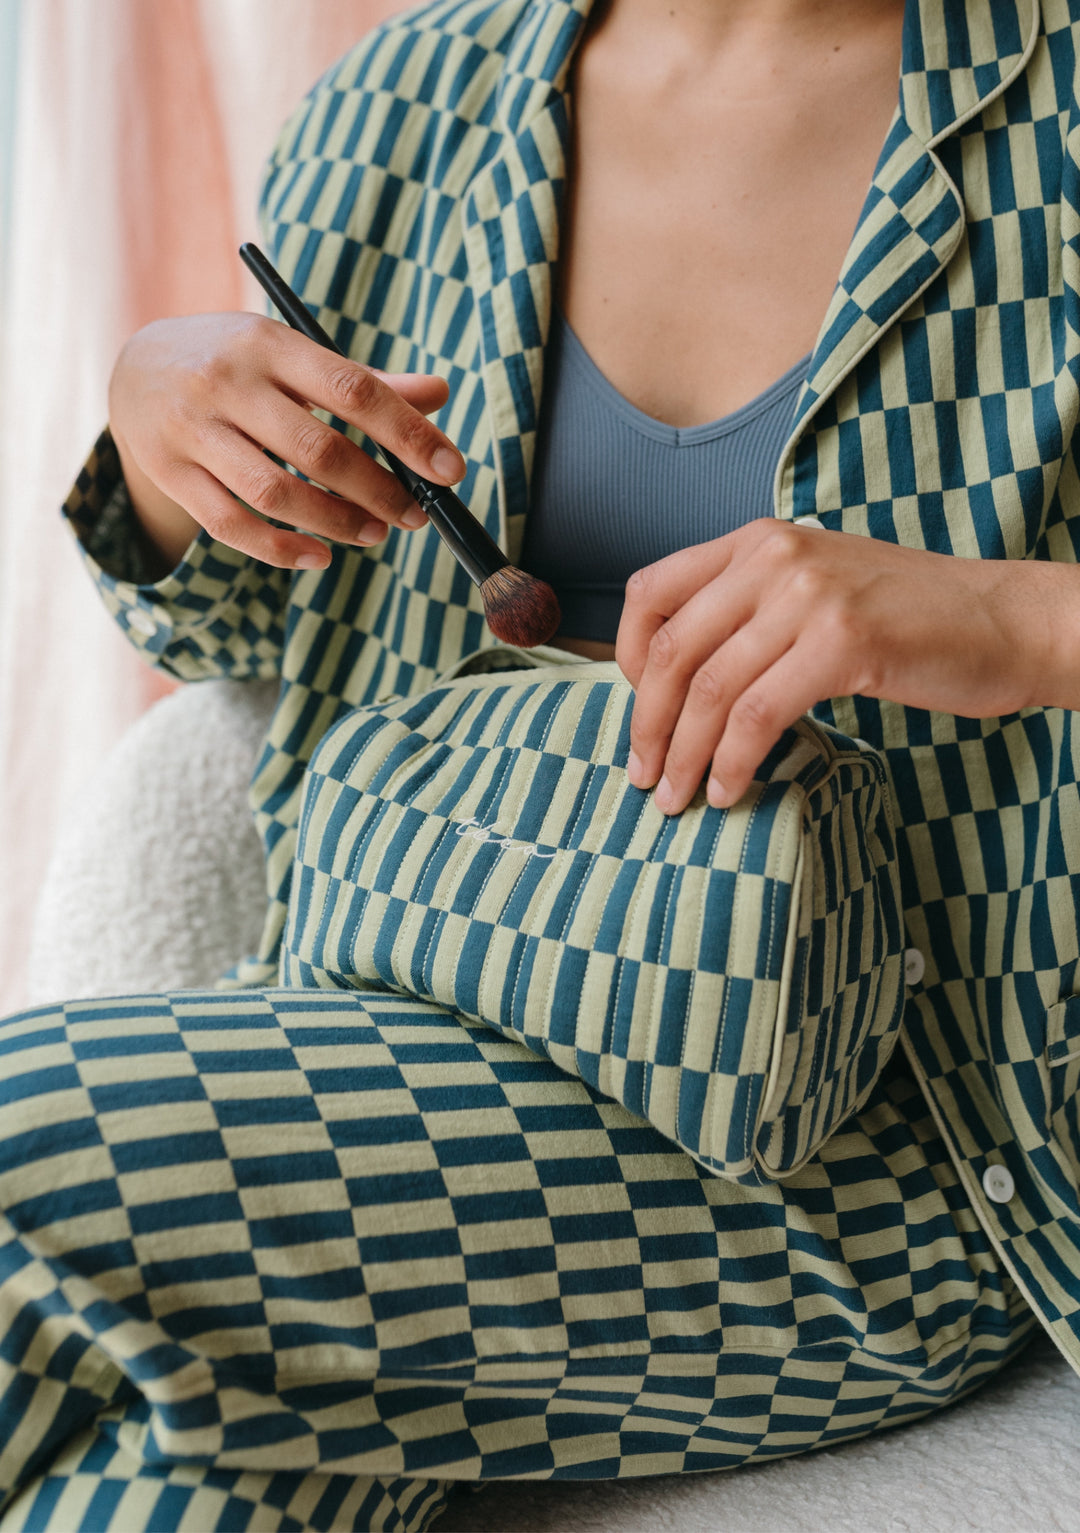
<point>426,392</point>
<point>726,675</point>
<point>766,548</point>
<point>231,523</point>
<point>242,466</point>
<point>756,566</point>
<point>758,717</point>
<point>654,594</point>
<point>327,456</point>
<point>683,656</point>
<point>361,397</point>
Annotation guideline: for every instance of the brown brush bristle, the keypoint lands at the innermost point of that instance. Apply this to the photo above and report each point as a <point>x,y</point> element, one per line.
<point>520,609</point>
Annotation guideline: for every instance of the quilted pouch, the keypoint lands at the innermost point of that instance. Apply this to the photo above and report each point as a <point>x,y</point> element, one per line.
<point>734,976</point>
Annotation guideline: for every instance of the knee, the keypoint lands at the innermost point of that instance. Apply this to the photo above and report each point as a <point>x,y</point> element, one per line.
<point>54,1163</point>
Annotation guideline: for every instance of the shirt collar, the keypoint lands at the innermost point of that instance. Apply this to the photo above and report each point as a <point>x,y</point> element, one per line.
<point>957,56</point>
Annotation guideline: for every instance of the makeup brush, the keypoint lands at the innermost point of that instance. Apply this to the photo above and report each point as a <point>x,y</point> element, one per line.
<point>520,609</point>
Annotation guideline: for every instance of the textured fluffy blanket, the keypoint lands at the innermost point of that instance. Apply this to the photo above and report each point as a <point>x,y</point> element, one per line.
<point>157,883</point>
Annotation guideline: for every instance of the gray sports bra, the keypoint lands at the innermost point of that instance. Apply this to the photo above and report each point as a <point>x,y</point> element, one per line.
<point>614,490</point>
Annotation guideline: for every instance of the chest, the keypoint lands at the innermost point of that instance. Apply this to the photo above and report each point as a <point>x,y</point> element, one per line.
<point>708,215</point>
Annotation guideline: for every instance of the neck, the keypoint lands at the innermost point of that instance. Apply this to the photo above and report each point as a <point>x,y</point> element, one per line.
<point>747,34</point>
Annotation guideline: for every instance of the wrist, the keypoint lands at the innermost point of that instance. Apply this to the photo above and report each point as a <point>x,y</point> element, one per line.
<point>167,529</point>
<point>1045,609</point>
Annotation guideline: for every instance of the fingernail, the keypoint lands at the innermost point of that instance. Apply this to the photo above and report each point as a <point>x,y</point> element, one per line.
<point>717,794</point>
<point>414,518</point>
<point>635,770</point>
<point>665,796</point>
<point>369,533</point>
<point>312,561</point>
<point>448,464</point>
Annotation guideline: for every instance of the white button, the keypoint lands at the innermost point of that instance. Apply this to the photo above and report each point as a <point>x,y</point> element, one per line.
<point>914,966</point>
<point>141,621</point>
<point>808,521</point>
<point>998,1184</point>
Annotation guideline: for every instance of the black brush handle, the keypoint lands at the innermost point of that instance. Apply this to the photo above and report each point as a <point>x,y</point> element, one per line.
<point>470,543</point>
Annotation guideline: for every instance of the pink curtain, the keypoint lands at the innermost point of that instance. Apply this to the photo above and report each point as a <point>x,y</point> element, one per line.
<point>139,131</point>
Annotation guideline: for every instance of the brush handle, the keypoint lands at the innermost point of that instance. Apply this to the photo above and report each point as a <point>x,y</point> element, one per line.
<point>471,545</point>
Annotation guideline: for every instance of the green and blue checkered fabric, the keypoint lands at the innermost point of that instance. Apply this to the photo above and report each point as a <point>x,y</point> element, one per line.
<point>294,1259</point>
<point>414,201</point>
<point>734,976</point>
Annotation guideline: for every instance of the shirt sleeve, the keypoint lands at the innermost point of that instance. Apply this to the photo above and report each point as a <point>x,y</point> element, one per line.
<point>218,613</point>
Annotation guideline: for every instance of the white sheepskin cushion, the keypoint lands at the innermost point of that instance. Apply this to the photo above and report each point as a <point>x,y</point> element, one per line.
<point>157,881</point>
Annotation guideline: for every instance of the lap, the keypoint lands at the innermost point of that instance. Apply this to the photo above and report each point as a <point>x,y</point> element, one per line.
<point>101,1482</point>
<point>319,1228</point>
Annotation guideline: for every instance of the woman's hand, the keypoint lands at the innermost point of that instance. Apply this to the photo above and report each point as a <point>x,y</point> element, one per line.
<point>194,401</point>
<point>729,642</point>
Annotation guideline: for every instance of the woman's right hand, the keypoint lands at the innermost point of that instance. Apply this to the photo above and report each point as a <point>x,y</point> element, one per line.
<point>194,401</point>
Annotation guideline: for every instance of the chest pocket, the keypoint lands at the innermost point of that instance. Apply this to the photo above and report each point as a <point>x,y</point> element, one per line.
<point>1063,1033</point>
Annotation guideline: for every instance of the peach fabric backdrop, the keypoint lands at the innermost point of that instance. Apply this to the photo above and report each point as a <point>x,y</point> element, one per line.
<point>139,131</point>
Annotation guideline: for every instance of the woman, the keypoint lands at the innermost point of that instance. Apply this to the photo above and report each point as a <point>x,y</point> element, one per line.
<point>251,1275</point>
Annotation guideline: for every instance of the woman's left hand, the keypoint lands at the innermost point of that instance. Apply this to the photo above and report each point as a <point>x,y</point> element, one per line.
<point>727,643</point>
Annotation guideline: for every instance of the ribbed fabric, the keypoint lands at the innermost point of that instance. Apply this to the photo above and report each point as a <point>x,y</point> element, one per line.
<point>613,489</point>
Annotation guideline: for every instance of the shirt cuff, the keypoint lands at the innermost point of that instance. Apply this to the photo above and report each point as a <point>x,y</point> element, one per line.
<point>218,612</point>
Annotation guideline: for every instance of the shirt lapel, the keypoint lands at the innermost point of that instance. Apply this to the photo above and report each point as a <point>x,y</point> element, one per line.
<point>510,219</point>
<point>956,59</point>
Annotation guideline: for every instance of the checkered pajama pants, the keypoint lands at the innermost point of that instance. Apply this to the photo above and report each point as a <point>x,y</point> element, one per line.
<point>298,1259</point>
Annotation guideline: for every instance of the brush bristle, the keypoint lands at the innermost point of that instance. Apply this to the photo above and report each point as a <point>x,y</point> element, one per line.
<point>520,609</point>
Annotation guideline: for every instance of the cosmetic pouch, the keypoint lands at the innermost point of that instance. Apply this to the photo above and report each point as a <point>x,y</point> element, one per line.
<point>734,976</point>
